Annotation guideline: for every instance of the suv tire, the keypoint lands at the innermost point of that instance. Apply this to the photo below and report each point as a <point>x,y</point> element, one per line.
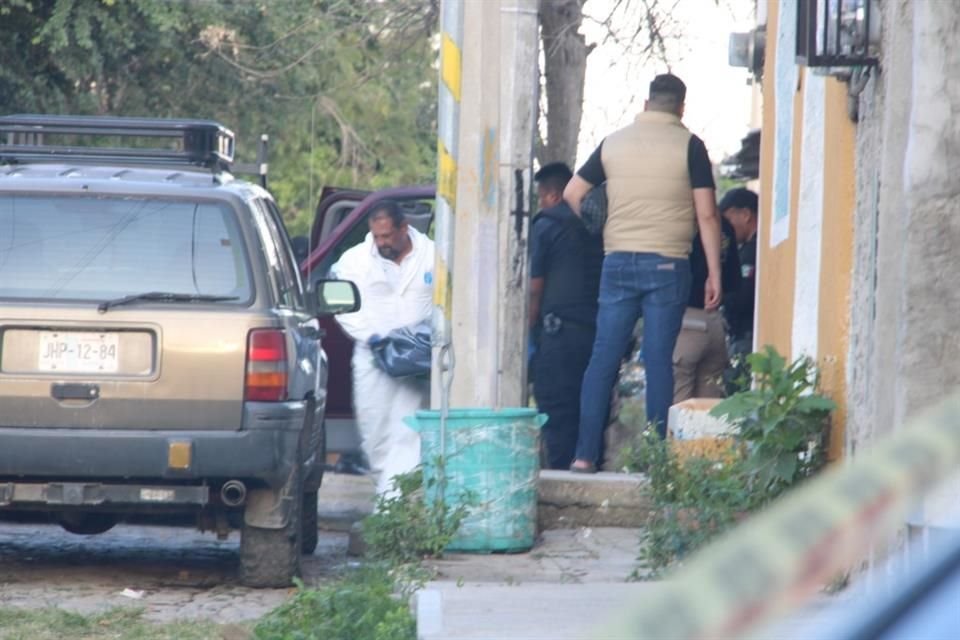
<point>271,557</point>
<point>309,518</point>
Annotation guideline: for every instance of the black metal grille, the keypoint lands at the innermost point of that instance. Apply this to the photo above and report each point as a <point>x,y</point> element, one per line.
<point>834,33</point>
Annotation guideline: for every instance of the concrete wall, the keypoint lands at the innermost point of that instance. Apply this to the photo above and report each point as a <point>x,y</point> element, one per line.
<point>928,366</point>
<point>880,230</point>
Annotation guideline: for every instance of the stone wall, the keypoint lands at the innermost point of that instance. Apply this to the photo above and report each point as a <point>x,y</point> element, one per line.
<point>884,110</point>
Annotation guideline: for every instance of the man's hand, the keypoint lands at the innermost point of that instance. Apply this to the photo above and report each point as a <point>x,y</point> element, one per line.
<point>705,203</point>
<point>714,292</point>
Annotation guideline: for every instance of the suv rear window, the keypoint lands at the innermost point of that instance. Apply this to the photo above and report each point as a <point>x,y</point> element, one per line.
<point>96,248</point>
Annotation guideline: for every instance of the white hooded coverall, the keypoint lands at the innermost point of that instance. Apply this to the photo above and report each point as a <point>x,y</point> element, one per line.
<point>391,296</point>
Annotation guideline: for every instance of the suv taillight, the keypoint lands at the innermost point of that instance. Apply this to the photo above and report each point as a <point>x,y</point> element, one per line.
<point>266,366</point>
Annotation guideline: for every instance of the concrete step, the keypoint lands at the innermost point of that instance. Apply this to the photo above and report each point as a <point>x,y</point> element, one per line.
<point>569,500</point>
<point>566,500</point>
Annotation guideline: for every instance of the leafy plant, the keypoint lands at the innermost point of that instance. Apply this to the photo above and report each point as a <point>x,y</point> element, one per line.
<point>694,499</point>
<point>782,421</point>
<point>780,427</point>
<point>405,528</point>
<point>361,605</point>
<point>371,602</point>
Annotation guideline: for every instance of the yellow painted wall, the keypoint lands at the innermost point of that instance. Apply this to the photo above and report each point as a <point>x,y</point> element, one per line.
<point>836,255</point>
<point>777,266</point>
<point>776,269</point>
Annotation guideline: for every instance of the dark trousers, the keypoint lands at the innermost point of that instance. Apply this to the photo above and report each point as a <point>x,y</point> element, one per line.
<point>558,368</point>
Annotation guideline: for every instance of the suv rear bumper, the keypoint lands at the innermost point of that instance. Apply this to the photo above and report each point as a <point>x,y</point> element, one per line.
<point>266,451</point>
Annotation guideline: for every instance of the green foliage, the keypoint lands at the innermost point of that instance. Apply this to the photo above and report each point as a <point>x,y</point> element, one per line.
<point>693,499</point>
<point>780,426</point>
<point>345,90</point>
<point>405,528</point>
<point>782,420</point>
<point>370,603</point>
<point>361,605</point>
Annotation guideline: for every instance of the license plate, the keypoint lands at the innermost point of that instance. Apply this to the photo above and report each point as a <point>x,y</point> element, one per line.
<point>79,352</point>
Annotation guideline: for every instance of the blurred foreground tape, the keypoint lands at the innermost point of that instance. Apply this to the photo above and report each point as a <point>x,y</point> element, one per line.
<point>777,560</point>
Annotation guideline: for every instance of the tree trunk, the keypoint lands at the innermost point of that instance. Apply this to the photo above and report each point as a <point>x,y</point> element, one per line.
<point>565,66</point>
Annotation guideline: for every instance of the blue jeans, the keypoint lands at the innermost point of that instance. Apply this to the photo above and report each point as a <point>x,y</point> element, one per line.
<point>633,284</point>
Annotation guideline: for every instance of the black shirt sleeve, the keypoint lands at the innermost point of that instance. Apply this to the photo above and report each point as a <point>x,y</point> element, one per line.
<point>592,169</point>
<point>540,247</point>
<point>730,269</point>
<point>698,163</point>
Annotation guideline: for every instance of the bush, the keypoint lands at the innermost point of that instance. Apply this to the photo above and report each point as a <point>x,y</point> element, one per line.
<point>361,605</point>
<point>405,528</point>
<point>780,426</point>
<point>782,421</point>
<point>372,602</point>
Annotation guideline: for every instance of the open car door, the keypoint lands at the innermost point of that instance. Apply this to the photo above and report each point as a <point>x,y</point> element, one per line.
<point>341,223</point>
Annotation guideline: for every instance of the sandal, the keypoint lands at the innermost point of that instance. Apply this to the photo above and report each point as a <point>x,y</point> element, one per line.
<point>588,468</point>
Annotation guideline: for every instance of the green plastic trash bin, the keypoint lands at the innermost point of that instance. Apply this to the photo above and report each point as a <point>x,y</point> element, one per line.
<point>494,458</point>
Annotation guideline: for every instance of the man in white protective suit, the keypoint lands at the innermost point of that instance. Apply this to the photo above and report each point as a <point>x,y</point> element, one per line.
<point>393,269</point>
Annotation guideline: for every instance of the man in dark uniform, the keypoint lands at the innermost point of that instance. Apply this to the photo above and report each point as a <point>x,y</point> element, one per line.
<point>565,264</point>
<point>739,208</point>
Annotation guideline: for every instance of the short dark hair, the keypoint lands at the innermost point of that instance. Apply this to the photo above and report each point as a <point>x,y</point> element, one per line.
<point>554,176</point>
<point>739,198</point>
<point>667,92</point>
<point>388,209</point>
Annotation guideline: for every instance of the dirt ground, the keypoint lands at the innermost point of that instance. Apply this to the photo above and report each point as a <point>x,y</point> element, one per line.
<point>174,574</point>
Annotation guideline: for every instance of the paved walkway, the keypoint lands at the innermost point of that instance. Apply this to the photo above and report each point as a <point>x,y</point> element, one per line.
<point>567,588</point>
<point>559,590</point>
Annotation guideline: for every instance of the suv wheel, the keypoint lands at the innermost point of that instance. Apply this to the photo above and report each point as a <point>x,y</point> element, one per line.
<point>271,557</point>
<point>310,525</point>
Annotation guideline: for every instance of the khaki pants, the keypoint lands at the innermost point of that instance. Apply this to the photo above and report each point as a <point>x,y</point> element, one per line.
<point>700,357</point>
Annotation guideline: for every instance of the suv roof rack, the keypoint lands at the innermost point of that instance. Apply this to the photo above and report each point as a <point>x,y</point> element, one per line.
<point>202,143</point>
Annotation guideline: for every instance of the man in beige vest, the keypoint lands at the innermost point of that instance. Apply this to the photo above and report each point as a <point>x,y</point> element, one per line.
<point>660,189</point>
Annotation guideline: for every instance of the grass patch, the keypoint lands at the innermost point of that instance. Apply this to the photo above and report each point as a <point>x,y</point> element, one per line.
<point>115,624</point>
<point>373,602</point>
<point>364,604</point>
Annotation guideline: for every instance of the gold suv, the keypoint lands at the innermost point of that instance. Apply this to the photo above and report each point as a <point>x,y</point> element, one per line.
<point>160,358</point>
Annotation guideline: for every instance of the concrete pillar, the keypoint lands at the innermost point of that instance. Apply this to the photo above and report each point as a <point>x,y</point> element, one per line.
<point>497,111</point>
<point>518,110</point>
<point>475,310</point>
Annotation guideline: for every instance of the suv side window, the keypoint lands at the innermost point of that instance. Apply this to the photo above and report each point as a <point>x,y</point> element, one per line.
<point>283,272</point>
